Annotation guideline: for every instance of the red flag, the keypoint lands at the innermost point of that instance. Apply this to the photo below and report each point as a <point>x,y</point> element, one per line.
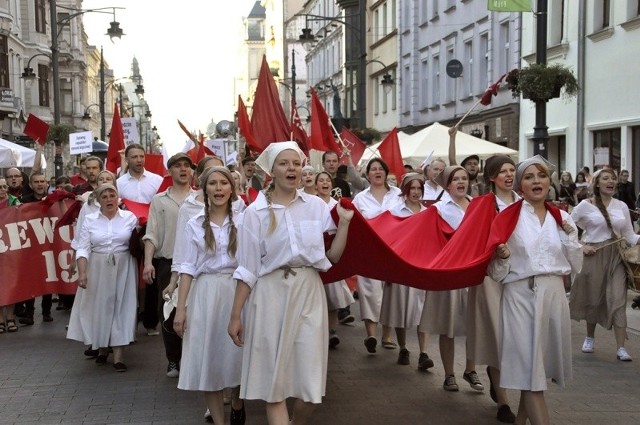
<point>491,91</point>
<point>322,138</point>
<point>269,123</point>
<point>245,126</point>
<point>139,209</point>
<point>155,164</point>
<point>116,141</point>
<point>354,144</point>
<point>390,152</point>
<point>188,133</point>
<point>37,129</point>
<point>297,130</point>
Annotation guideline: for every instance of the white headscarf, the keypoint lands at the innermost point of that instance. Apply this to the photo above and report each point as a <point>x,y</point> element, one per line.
<point>527,162</point>
<point>268,156</point>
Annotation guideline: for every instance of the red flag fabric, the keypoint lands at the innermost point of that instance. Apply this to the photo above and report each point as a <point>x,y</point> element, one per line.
<point>155,163</point>
<point>116,141</point>
<point>187,132</point>
<point>37,129</point>
<point>194,153</point>
<point>297,130</point>
<point>167,182</point>
<point>491,91</point>
<point>354,144</point>
<point>269,123</point>
<point>140,210</point>
<point>245,126</point>
<point>322,138</point>
<point>389,150</point>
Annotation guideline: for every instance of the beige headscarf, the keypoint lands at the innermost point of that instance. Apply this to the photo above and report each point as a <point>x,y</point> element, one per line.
<point>268,156</point>
<point>445,177</point>
<point>531,161</point>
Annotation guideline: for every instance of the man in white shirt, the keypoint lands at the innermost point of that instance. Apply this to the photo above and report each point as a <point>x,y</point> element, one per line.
<point>138,184</point>
<point>432,190</point>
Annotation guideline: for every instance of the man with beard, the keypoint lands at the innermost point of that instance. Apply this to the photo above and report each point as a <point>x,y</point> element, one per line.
<point>92,166</point>
<point>38,184</point>
<point>159,242</point>
<point>472,165</point>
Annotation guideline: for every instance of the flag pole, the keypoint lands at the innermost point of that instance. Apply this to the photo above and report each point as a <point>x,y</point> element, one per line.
<point>468,112</point>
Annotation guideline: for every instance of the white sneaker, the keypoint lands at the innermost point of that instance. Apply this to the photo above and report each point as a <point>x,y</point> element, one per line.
<point>173,370</point>
<point>623,355</point>
<point>587,346</point>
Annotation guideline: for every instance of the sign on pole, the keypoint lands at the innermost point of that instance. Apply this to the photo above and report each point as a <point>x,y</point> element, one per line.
<point>80,143</point>
<point>130,128</point>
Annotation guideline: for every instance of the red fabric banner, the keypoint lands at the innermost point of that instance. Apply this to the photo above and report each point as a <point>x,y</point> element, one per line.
<point>37,129</point>
<point>322,138</point>
<point>354,144</point>
<point>116,141</point>
<point>298,133</point>
<point>35,256</point>
<point>244,124</point>
<point>269,123</point>
<point>154,162</point>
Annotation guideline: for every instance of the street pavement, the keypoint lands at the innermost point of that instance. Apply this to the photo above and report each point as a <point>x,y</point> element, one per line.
<point>46,379</point>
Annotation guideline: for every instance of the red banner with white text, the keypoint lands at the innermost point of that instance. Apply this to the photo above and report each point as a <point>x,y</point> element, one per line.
<point>35,256</point>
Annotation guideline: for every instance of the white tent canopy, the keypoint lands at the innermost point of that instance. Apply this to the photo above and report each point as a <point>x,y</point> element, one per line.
<point>434,141</point>
<point>13,155</point>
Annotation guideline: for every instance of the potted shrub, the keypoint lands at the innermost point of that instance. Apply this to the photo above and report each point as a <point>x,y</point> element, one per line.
<point>367,135</point>
<point>60,132</point>
<point>541,82</point>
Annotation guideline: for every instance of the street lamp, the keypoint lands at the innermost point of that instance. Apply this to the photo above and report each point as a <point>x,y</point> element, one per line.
<point>387,80</point>
<point>359,32</point>
<point>87,115</point>
<point>114,31</point>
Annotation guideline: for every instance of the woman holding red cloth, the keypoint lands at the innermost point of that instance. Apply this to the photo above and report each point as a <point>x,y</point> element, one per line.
<point>536,329</point>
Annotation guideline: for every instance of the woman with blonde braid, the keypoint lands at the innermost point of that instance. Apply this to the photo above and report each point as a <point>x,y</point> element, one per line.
<point>599,292</point>
<point>210,362</point>
<point>280,251</point>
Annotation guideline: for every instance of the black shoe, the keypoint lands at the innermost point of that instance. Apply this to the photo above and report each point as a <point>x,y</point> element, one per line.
<point>91,353</point>
<point>28,321</point>
<point>101,359</point>
<point>237,417</point>
<point>403,357</point>
<point>120,367</point>
<point>424,362</point>
<point>370,342</point>
<point>347,319</point>
<point>473,380</point>
<point>492,391</point>
<point>505,414</point>
<point>47,318</point>
<point>333,340</point>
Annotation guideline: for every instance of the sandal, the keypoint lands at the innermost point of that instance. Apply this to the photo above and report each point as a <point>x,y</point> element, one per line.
<point>11,325</point>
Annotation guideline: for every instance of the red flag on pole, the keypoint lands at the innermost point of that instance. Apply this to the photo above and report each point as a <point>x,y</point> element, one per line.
<point>322,138</point>
<point>354,144</point>
<point>390,152</point>
<point>188,133</point>
<point>116,141</point>
<point>245,126</point>
<point>37,129</point>
<point>269,123</point>
<point>491,91</point>
<point>297,130</point>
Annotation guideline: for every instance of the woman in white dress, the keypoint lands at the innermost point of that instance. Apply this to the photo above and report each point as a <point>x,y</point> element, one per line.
<point>599,292</point>
<point>483,319</point>
<point>280,251</point>
<point>374,200</point>
<point>402,305</point>
<point>445,312</point>
<point>105,313</point>
<point>210,361</point>
<point>535,324</point>
<point>338,293</point>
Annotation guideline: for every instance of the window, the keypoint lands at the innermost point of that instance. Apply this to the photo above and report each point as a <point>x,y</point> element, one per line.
<point>385,17</point>
<point>424,84</point>
<point>483,70</point>
<point>606,148</point>
<point>43,85</point>
<point>606,13</point>
<point>556,23</point>
<point>376,96</point>
<point>66,97</point>
<point>376,25</point>
<point>393,24</point>
<point>504,51</point>
<point>394,93</point>
<point>467,74</point>
<point>41,13</point>
<point>406,90</point>
<point>601,15</point>
<point>423,10</point>
<point>4,62</point>
<point>434,9</point>
<point>435,100</point>
<point>450,82</point>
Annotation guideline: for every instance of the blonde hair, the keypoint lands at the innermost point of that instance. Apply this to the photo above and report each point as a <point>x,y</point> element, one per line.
<point>209,238</point>
<point>272,215</point>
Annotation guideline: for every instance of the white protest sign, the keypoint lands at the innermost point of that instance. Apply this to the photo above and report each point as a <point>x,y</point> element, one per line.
<point>130,128</point>
<point>80,143</point>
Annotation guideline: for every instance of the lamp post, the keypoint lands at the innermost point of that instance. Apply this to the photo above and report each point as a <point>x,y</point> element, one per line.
<point>359,33</point>
<point>387,80</point>
<point>540,130</point>
<point>114,31</point>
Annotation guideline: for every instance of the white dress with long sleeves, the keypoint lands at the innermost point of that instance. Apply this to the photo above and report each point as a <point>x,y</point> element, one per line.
<point>535,326</point>
<point>104,315</point>
<point>286,333</point>
<point>370,291</point>
<point>445,312</point>
<point>402,305</point>
<point>210,360</point>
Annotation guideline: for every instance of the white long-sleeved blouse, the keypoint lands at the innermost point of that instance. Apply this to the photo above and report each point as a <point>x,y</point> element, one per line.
<point>590,219</point>
<point>369,206</point>
<point>104,235</point>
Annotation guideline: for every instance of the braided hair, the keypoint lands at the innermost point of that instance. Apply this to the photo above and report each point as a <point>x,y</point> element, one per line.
<point>598,198</point>
<point>209,238</point>
<point>272,215</point>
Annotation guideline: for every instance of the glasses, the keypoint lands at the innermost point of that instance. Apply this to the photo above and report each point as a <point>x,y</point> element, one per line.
<point>16,176</point>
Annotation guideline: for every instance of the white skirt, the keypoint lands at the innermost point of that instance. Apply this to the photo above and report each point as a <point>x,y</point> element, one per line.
<point>536,334</point>
<point>483,323</point>
<point>210,360</point>
<point>104,313</point>
<point>370,296</point>
<point>286,338</point>
<point>401,306</point>
<point>338,295</point>
<point>445,313</point>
